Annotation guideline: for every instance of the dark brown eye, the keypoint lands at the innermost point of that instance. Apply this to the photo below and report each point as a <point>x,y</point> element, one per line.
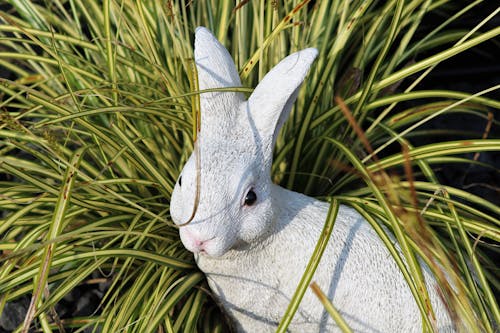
<point>180,181</point>
<point>250,198</point>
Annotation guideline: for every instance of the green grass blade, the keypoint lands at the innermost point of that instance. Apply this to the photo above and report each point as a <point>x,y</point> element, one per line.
<point>311,267</point>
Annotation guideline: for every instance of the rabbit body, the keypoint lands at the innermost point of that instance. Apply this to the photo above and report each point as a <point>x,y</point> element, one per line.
<point>253,239</point>
<point>356,272</point>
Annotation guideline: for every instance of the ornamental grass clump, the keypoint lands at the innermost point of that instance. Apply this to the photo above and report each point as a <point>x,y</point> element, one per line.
<point>98,114</point>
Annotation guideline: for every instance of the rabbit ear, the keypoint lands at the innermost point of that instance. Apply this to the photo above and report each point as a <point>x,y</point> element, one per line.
<point>273,98</point>
<point>216,69</point>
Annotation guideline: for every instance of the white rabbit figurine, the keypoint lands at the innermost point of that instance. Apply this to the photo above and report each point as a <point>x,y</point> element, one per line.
<point>253,239</point>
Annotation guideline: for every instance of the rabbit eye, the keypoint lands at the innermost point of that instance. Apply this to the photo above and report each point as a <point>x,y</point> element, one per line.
<point>250,198</point>
<point>180,181</point>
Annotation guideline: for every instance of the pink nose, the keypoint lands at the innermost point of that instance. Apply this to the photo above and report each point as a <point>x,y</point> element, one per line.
<point>199,245</point>
<point>194,243</point>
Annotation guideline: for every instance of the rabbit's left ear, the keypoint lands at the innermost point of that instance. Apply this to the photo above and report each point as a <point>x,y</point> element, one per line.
<point>271,101</point>
<point>216,69</point>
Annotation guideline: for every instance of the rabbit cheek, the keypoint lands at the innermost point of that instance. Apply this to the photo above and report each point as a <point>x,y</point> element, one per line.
<point>181,205</point>
<point>175,207</point>
<point>256,223</point>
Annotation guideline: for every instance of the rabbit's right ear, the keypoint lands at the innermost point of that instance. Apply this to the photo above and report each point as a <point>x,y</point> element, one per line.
<point>216,69</point>
<point>273,98</point>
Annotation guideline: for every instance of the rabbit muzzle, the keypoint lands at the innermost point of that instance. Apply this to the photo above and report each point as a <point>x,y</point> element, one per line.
<point>199,244</point>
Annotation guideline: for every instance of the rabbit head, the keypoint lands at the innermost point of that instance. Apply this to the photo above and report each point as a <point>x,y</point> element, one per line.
<point>233,153</point>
